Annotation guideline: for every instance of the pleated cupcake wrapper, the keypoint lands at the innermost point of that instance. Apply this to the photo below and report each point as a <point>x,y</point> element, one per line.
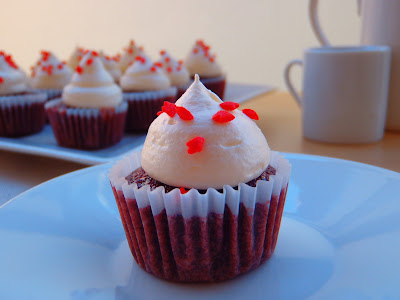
<point>86,128</point>
<point>143,107</point>
<point>51,93</point>
<point>22,114</point>
<point>197,237</point>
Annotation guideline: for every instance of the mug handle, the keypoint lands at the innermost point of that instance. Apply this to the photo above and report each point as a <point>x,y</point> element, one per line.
<point>313,15</point>
<point>288,82</point>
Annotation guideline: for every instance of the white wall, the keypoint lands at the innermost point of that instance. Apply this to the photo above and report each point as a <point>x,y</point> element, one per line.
<point>253,39</point>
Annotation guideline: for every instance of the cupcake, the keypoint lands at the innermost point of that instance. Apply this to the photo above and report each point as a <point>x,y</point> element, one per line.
<point>178,75</point>
<point>50,75</point>
<point>145,88</point>
<point>111,66</point>
<point>21,111</point>
<point>200,61</point>
<point>128,56</point>
<point>76,57</point>
<point>204,201</point>
<point>91,113</point>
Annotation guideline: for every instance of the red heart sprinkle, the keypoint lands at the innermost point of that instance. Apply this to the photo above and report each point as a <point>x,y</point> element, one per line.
<point>180,62</point>
<point>195,145</point>
<point>184,114</point>
<point>169,108</point>
<point>251,114</point>
<point>167,59</point>
<point>169,69</point>
<point>130,51</point>
<point>178,68</point>
<point>195,50</point>
<point>153,69</point>
<point>183,190</point>
<point>79,70</point>
<point>89,61</point>
<point>211,59</point>
<point>223,117</point>
<point>158,64</point>
<point>162,52</point>
<point>1,80</point>
<point>229,105</point>
<point>94,53</point>
<point>60,66</point>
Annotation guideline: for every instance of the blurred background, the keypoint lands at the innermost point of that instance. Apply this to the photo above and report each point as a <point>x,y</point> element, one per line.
<point>253,39</point>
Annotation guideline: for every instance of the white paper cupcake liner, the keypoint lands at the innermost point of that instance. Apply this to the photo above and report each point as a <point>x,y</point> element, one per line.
<point>23,99</point>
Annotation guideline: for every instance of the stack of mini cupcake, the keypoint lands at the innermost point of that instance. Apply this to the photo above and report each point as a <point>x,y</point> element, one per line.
<point>86,107</point>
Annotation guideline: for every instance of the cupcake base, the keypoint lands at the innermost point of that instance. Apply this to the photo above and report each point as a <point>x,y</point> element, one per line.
<point>143,107</point>
<point>83,128</point>
<point>22,114</point>
<point>195,237</point>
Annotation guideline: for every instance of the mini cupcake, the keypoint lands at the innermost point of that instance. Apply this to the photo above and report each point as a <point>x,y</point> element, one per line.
<point>76,57</point>
<point>204,201</point>
<point>21,111</point>
<point>91,113</point>
<point>111,66</point>
<point>145,88</point>
<point>128,56</point>
<point>50,75</point>
<point>200,61</point>
<point>178,75</point>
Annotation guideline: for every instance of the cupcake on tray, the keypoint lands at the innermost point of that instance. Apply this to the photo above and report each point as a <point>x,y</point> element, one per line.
<point>76,57</point>
<point>145,88</point>
<point>111,66</point>
<point>50,75</point>
<point>128,56</point>
<point>201,61</point>
<point>21,110</point>
<point>178,75</point>
<point>91,113</point>
<point>204,200</point>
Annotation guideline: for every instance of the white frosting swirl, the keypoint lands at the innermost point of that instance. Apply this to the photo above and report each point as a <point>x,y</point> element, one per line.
<point>233,152</point>
<point>50,73</point>
<point>75,57</point>
<point>129,55</point>
<point>200,61</point>
<point>143,75</point>
<point>111,66</point>
<point>12,79</point>
<point>176,72</point>
<point>91,85</point>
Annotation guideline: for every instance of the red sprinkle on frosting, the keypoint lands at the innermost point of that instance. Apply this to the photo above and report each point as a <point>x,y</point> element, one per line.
<point>223,117</point>
<point>178,68</point>
<point>89,61</point>
<point>79,70</point>
<point>229,105</point>
<point>167,59</point>
<point>94,53</point>
<point>153,69</point>
<point>1,80</point>
<point>195,50</point>
<point>183,190</point>
<point>60,66</point>
<point>180,61</point>
<point>169,69</point>
<point>184,114</point>
<point>130,51</point>
<point>195,145</point>
<point>162,52</point>
<point>251,114</point>
<point>141,59</point>
<point>158,64</point>
<point>169,108</point>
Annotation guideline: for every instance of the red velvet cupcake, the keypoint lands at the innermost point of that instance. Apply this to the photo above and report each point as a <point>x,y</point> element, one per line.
<point>145,88</point>
<point>201,61</point>
<point>91,113</point>
<point>21,111</point>
<point>204,201</point>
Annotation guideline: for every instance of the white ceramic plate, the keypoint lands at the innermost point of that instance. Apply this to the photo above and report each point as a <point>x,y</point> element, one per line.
<point>339,239</point>
<point>44,143</point>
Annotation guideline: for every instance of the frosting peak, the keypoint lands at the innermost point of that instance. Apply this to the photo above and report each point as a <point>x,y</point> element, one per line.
<point>201,61</point>
<point>176,72</point>
<point>91,85</point>
<point>144,75</point>
<point>111,66</point>
<point>12,79</point>
<point>50,73</point>
<point>129,54</point>
<point>76,57</point>
<point>219,145</point>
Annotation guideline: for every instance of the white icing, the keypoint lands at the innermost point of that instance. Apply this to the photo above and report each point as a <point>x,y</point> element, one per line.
<point>111,66</point>
<point>200,61</point>
<point>234,152</point>
<point>143,75</point>
<point>93,88</point>
<point>129,55</point>
<point>50,73</point>
<point>176,72</point>
<point>76,57</point>
<point>12,79</point>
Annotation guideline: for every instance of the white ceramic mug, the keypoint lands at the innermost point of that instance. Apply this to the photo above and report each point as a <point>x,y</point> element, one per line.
<point>345,93</point>
<point>380,26</point>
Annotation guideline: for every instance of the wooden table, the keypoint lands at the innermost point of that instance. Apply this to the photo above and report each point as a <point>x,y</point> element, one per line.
<point>280,120</point>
